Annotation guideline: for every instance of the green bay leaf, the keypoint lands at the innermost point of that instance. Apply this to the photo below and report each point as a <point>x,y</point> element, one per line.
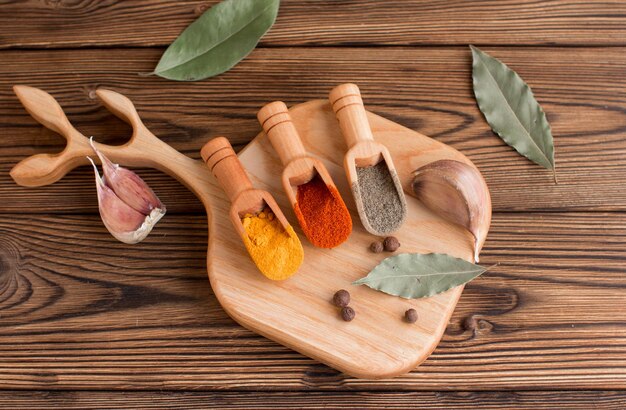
<point>220,38</point>
<point>511,109</point>
<point>416,275</point>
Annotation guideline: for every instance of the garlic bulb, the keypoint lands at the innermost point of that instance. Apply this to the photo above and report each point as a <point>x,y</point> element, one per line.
<point>128,207</point>
<point>458,193</point>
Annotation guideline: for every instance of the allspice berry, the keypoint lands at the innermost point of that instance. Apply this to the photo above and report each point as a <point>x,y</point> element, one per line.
<point>347,313</point>
<point>391,244</point>
<point>341,298</point>
<point>376,247</point>
<point>410,316</point>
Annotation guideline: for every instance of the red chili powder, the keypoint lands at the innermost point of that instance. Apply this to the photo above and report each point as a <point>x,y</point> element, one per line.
<point>322,214</point>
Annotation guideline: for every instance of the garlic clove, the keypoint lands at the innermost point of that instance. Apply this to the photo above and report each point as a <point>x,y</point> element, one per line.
<point>128,186</point>
<point>123,222</point>
<point>458,193</point>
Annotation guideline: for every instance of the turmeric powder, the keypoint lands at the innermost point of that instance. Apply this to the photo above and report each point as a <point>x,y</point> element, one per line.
<point>275,250</point>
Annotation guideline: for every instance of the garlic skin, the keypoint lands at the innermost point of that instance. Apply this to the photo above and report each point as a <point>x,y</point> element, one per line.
<point>128,186</point>
<point>128,207</point>
<point>458,193</point>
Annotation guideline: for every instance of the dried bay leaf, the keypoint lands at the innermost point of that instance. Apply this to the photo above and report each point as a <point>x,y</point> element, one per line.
<point>416,275</point>
<point>220,38</point>
<point>511,109</point>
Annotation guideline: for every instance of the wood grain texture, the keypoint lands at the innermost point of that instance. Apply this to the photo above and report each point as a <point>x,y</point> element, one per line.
<point>426,89</point>
<point>79,310</point>
<point>82,23</point>
<point>572,399</point>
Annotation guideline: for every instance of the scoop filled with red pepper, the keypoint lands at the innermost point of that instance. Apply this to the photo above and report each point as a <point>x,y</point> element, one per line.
<point>321,212</point>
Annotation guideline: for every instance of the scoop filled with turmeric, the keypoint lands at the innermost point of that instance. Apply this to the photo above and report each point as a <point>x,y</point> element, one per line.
<point>275,250</point>
<point>269,238</point>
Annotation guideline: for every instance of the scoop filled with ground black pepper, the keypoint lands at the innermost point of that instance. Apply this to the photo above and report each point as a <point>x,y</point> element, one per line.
<point>373,178</point>
<point>383,207</point>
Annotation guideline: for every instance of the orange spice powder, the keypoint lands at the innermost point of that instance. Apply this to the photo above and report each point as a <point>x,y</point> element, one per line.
<point>322,214</point>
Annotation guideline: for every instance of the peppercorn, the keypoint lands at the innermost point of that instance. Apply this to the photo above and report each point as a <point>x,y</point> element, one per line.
<point>347,313</point>
<point>410,316</point>
<point>376,247</point>
<point>341,298</point>
<point>391,244</point>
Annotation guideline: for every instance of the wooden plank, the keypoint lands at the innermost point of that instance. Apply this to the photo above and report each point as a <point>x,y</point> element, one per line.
<point>81,311</point>
<point>535,400</point>
<point>426,89</point>
<point>329,22</point>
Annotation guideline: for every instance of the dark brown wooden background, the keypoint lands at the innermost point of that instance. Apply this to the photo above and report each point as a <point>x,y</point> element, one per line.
<point>87,321</point>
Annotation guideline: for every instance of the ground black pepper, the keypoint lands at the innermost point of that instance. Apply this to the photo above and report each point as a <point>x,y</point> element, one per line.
<point>383,201</point>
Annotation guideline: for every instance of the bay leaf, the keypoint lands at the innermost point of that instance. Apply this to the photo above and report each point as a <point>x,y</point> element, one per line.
<point>220,38</point>
<point>511,109</point>
<point>416,275</point>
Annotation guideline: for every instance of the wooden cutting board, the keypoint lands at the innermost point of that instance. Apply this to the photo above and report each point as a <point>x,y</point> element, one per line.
<point>297,312</point>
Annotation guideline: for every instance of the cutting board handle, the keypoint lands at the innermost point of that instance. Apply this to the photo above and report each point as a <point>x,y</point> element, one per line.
<point>276,122</point>
<point>142,150</point>
<point>44,169</point>
<point>348,107</point>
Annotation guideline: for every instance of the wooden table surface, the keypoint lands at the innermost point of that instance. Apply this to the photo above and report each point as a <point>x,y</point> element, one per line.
<point>87,321</point>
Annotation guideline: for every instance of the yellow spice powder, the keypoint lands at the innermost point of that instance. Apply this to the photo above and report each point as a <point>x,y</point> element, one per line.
<point>275,251</point>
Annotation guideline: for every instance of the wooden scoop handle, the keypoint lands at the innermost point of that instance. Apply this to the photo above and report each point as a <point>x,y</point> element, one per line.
<point>277,124</point>
<point>223,162</point>
<point>350,112</point>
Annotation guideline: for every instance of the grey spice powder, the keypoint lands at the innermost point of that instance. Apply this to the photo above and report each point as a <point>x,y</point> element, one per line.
<point>380,192</point>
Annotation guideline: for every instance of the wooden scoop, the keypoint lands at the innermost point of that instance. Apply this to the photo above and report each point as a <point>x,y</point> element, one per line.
<point>221,159</point>
<point>300,168</point>
<point>363,151</point>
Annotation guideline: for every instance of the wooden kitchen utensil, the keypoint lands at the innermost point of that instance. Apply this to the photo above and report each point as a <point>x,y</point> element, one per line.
<point>301,168</point>
<point>223,162</point>
<point>274,246</point>
<point>363,152</point>
<point>142,150</point>
<point>296,313</point>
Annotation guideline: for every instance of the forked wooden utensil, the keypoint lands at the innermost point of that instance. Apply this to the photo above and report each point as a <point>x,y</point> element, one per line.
<point>363,151</point>
<point>142,150</point>
<point>230,174</point>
